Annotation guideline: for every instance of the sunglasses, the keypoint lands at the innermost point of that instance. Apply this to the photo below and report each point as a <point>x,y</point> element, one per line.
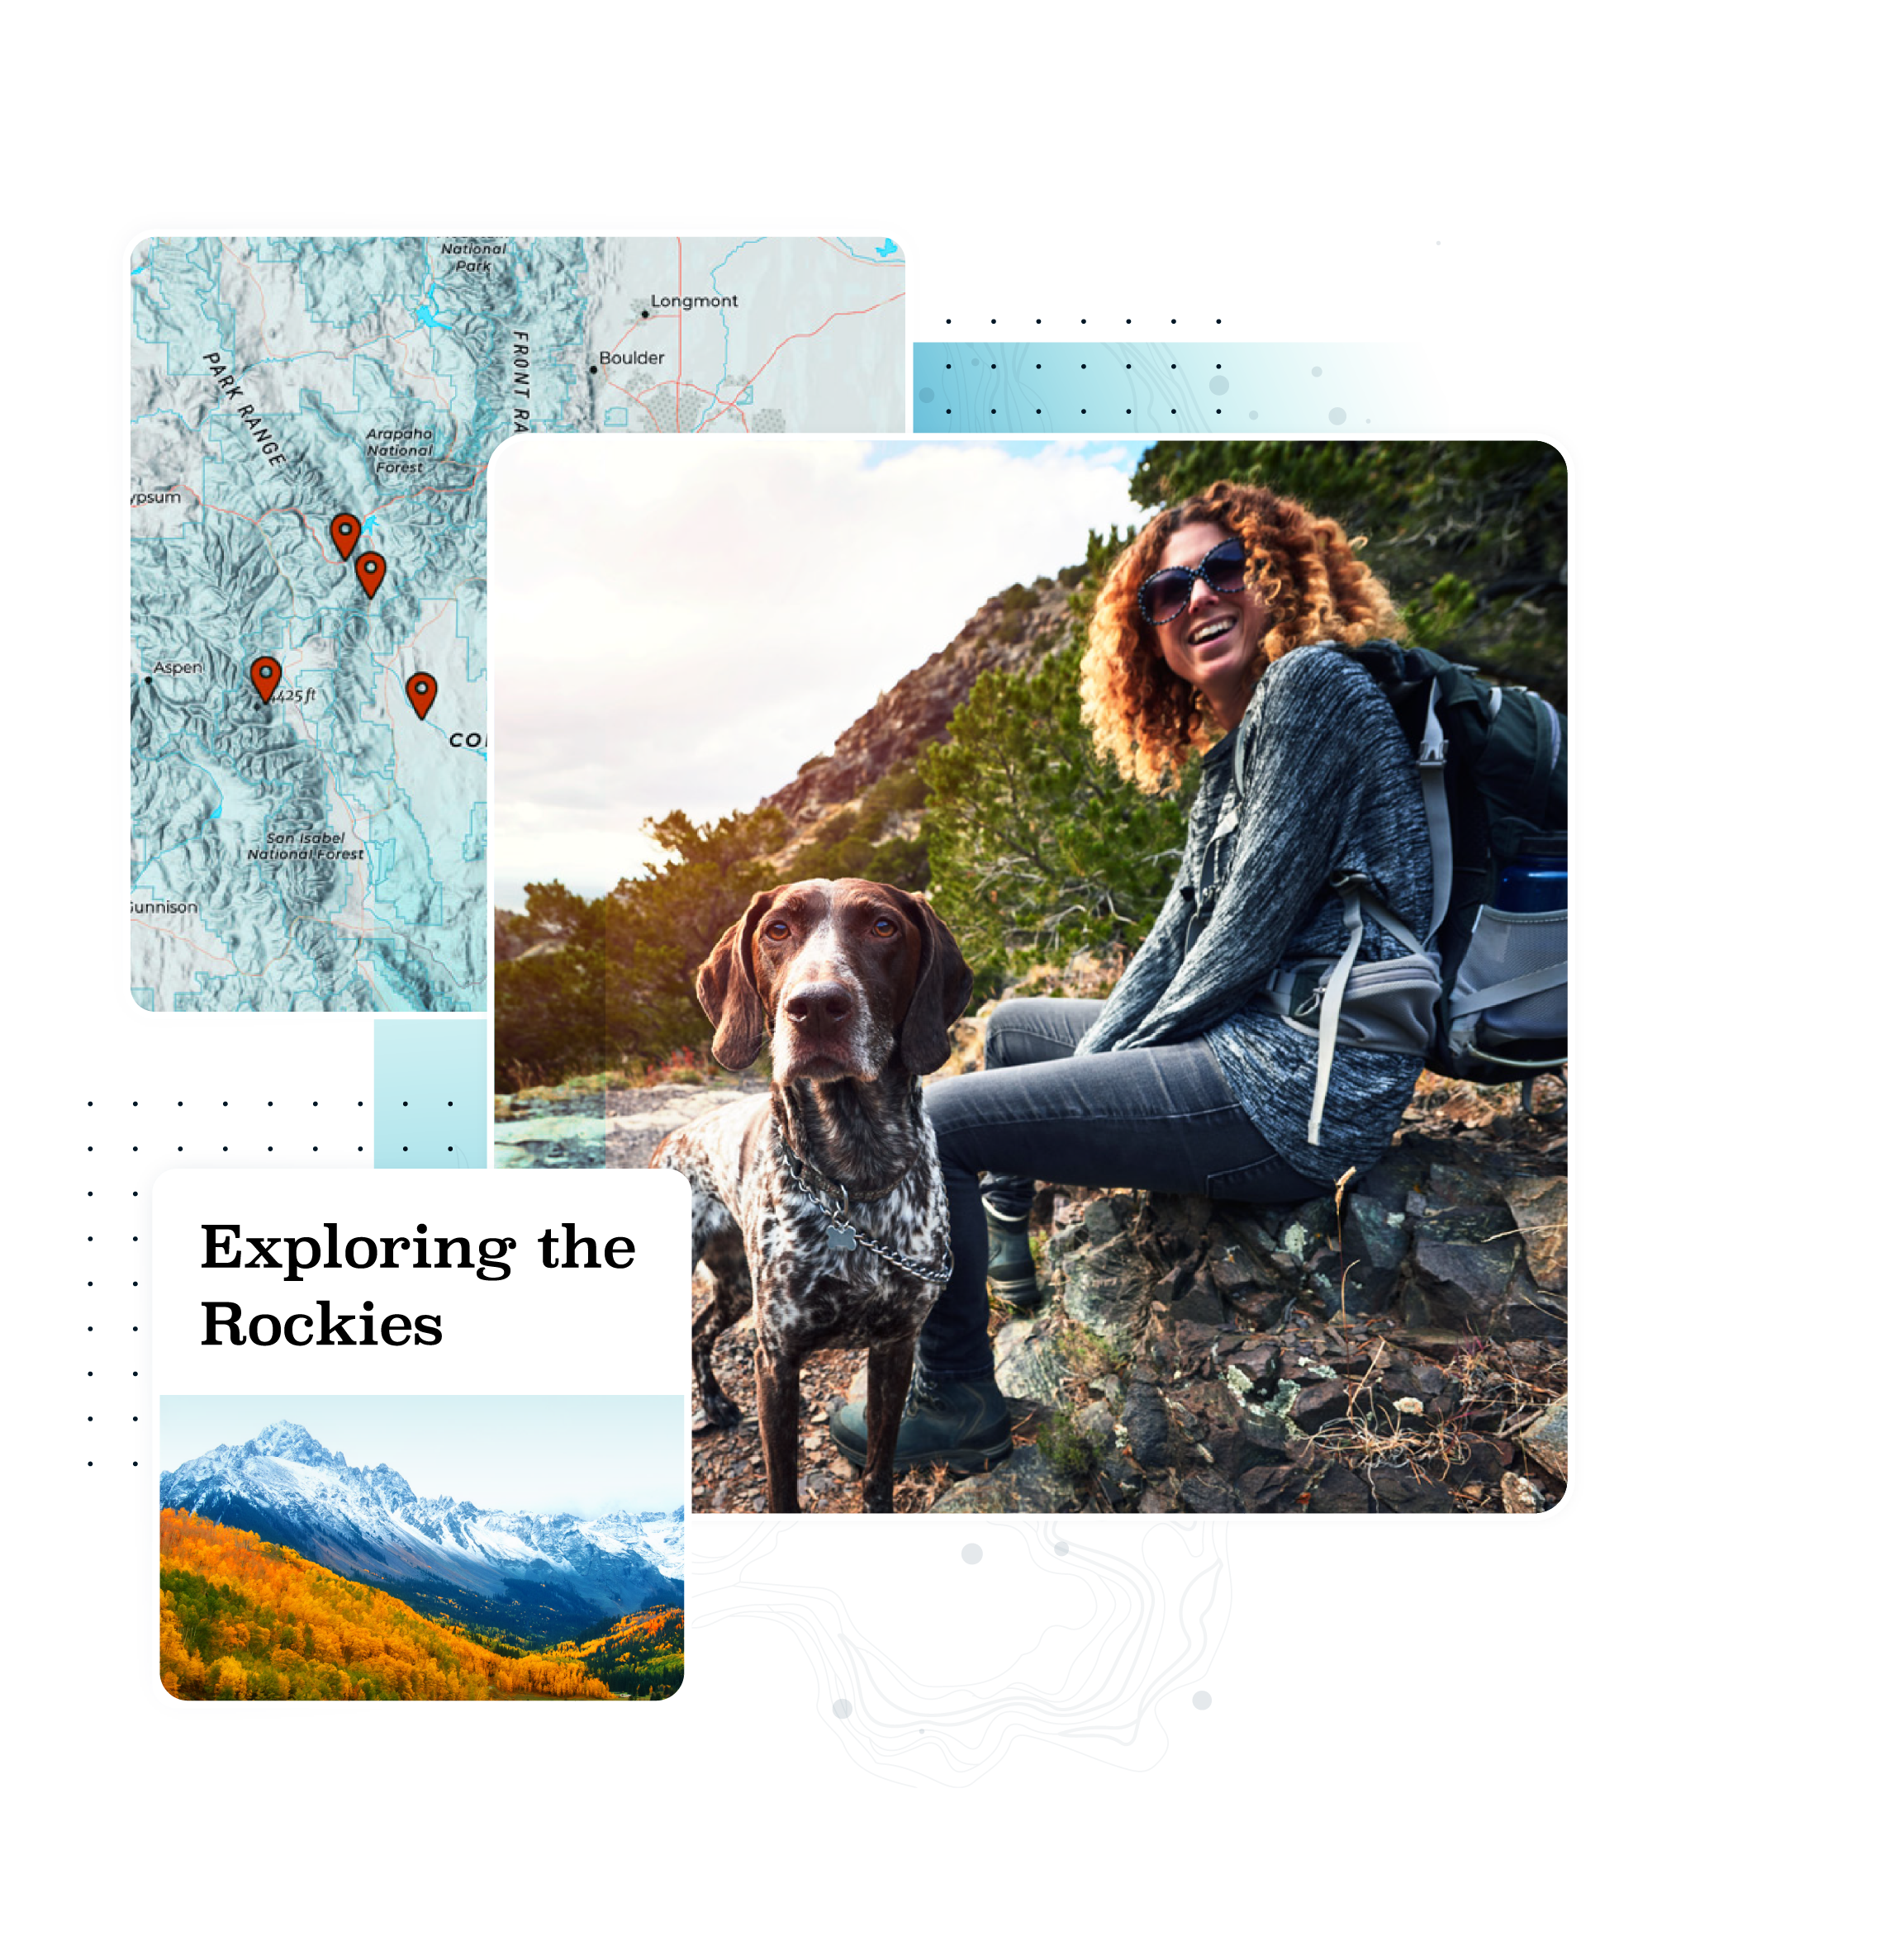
<point>1167,593</point>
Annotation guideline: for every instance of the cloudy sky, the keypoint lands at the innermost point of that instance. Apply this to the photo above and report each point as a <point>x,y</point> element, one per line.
<point>680,624</point>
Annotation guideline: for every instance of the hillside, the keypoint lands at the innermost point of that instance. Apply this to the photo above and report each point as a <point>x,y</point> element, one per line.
<point>1013,631</point>
<point>242,1620</point>
<point>535,1578</point>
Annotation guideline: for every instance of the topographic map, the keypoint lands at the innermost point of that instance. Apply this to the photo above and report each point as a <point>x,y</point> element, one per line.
<point>312,419</point>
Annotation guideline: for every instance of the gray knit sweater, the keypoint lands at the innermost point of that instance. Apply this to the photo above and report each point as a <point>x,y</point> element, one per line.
<point>1316,779</point>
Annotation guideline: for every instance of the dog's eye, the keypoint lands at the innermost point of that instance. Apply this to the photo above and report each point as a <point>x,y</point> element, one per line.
<point>883,927</point>
<point>777,928</point>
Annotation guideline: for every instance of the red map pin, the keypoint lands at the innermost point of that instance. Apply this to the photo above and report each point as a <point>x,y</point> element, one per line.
<point>266,673</point>
<point>344,533</point>
<point>370,573</point>
<point>421,690</point>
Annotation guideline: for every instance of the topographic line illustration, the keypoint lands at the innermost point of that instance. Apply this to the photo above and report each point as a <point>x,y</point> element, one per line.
<point>1160,1603</point>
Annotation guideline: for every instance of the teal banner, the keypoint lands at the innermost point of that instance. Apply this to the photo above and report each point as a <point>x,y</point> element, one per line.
<point>1236,391</point>
<point>432,1093</point>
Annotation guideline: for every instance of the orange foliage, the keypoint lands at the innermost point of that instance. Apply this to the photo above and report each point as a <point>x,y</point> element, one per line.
<point>243,1621</point>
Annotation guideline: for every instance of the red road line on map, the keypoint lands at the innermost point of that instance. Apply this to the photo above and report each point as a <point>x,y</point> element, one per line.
<point>264,309</point>
<point>191,945</point>
<point>791,339</point>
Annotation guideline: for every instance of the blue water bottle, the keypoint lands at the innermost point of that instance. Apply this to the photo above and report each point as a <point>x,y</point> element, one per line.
<point>1533,883</point>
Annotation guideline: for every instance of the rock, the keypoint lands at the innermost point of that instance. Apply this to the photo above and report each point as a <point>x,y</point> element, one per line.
<point>1339,1490</point>
<point>1177,1283</point>
<point>1417,1312</point>
<point>1539,1207</point>
<point>1374,1244</point>
<point>1177,1224</point>
<point>1026,1482</point>
<point>1471,1254</point>
<point>1200,1307</point>
<point>1545,1440</point>
<point>1261,1484</point>
<point>1255,1233</point>
<point>1027,1360</point>
<point>1159,1498</point>
<point>1107,1286</point>
<point>1431,1338</point>
<point>1521,1495</point>
<point>1252,1441</point>
<point>1230,1270</point>
<point>1387,1184</point>
<point>1316,1404</point>
<point>1258,1360</point>
<point>1146,1426</point>
<point>1205,1492</point>
<point>1397,1490</point>
<point>1458,1181</point>
<point>1106,1218</point>
<point>1194,1341</point>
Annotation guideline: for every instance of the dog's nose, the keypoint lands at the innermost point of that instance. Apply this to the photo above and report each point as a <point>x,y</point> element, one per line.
<point>819,1002</point>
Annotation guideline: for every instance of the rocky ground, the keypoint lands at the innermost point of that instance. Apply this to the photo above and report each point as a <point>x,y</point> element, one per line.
<point>1405,1352</point>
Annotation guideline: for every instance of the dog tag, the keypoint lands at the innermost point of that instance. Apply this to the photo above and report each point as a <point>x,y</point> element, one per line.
<point>842,1238</point>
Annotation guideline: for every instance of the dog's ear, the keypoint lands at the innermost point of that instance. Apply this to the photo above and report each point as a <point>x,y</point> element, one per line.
<point>941,989</point>
<point>725,988</point>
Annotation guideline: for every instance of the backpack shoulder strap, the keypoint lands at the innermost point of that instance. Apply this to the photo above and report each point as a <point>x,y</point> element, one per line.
<point>1431,760</point>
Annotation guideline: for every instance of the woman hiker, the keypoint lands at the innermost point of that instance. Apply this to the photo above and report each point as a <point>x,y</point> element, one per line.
<point>1216,630</point>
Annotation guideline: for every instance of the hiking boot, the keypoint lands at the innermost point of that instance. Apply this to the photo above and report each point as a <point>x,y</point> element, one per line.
<point>1010,1273</point>
<point>964,1423</point>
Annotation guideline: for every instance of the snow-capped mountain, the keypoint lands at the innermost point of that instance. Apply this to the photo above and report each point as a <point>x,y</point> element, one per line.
<point>367,1523</point>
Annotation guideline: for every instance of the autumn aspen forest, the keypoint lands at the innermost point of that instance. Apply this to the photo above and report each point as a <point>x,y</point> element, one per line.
<point>241,1619</point>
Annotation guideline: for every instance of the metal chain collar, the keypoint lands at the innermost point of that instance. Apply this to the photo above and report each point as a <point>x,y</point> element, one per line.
<point>842,1234</point>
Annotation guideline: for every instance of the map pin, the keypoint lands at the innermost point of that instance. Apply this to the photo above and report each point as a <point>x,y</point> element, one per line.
<point>344,531</point>
<point>421,690</point>
<point>266,673</point>
<point>370,573</point>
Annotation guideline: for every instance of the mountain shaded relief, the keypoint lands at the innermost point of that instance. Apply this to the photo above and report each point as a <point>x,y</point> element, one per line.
<point>539,1575</point>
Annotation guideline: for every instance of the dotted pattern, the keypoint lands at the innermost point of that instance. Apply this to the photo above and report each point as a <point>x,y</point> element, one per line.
<point>315,1110</point>
<point>1149,387</point>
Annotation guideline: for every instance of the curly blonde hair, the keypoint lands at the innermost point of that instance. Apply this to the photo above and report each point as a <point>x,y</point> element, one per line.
<point>1143,715</point>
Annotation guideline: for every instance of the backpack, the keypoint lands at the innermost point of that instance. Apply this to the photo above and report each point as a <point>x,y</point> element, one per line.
<point>1484,996</point>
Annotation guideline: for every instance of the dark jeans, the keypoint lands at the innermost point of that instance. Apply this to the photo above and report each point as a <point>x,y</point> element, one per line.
<point>1163,1117</point>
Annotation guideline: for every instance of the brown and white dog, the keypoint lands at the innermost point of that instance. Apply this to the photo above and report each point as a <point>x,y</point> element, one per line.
<point>823,1203</point>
